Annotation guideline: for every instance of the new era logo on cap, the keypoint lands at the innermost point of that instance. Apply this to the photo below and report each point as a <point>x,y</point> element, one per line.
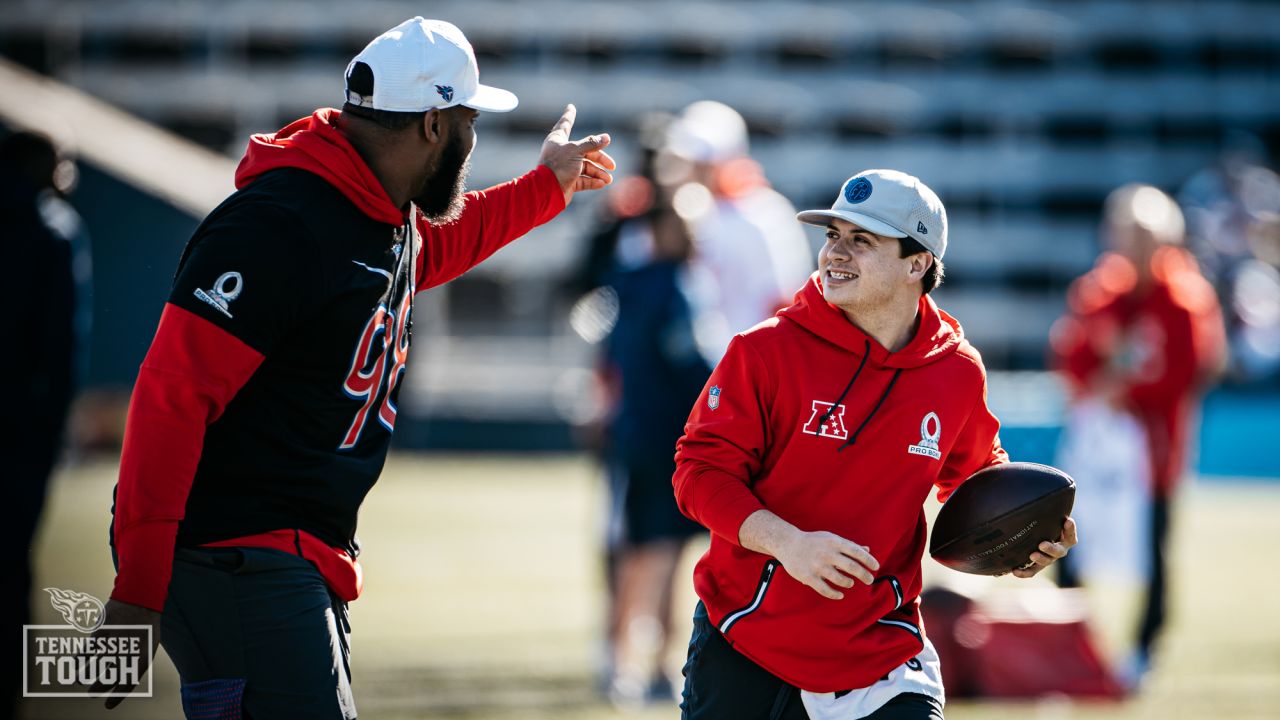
<point>889,203</point>
<point>420,65</point>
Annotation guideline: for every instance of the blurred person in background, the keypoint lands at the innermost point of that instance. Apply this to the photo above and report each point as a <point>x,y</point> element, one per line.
<point>263,411</point>
<point>46,249</point>
<point>654,367</point>
<point>810,455</point>
<point>1142,339</point>
<point>746,237</point>
<point>1233,227</point>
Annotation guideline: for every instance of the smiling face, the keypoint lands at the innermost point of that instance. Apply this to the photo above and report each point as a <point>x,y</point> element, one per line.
<point>863,272</point>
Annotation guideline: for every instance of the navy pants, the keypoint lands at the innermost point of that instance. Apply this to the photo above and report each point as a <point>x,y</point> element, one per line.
<point>722,684</point>
<point>255,633</point>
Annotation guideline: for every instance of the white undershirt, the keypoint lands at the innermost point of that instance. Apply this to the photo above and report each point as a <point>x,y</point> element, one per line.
<point>927,680</point>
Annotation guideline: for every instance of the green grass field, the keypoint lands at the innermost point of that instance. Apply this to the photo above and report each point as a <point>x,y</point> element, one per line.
<point>484,598</point>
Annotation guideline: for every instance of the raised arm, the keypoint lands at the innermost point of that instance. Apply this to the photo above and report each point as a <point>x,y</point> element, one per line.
<point>494,217</point>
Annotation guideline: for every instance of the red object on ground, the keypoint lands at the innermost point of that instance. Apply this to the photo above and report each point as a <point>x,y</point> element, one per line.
<point>1017,644</point>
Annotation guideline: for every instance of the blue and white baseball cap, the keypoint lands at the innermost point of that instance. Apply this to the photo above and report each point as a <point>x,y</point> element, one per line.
<point>889,203</point>
<point>421,65</point>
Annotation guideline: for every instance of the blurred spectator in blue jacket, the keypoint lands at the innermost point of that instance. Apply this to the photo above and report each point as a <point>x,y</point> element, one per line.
<point>652,298</point>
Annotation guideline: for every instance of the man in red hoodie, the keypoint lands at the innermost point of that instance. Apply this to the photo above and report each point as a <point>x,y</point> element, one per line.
<point>264,409</point>
<point>813,448</point>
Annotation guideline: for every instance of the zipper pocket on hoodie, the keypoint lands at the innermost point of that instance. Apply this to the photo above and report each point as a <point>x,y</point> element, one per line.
<point>766,576</point>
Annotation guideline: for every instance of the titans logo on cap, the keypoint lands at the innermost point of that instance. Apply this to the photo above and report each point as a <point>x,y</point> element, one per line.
<point>857,191</point>
<point>446,92</point>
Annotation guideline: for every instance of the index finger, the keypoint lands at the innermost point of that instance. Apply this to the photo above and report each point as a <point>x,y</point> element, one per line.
<point>564,125</point>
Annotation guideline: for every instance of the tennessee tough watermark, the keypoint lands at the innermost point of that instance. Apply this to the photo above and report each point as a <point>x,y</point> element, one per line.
<point>67,660</point>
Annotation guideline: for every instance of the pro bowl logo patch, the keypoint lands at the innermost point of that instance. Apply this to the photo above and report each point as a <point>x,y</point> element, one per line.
<point>225,289</point>
<point>713,397</point>
<point>930,433</point>
<point>446,92</point>
<point>857,191</point>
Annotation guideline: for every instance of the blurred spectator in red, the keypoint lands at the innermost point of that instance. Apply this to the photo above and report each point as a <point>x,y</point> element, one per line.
<point>46,248</point>
<point>1144,334</point>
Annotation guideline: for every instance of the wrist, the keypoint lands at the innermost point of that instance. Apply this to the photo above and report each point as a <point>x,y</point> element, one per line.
<point>766,533</point>
<point>789,537</point>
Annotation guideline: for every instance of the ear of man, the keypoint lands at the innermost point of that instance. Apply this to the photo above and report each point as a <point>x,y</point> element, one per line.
<point>924,265</point>
<point>432,126</point>
<point>920,264</point>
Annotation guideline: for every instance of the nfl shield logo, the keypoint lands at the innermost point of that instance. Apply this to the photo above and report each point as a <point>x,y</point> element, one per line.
<point>713,397</point>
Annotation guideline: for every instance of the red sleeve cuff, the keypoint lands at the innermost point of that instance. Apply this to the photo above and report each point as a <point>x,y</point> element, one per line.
<point>722,503</point>
<point>145,551</point>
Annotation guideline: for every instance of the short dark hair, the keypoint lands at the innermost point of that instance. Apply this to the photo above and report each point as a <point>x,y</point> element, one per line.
<point>933,276</point>
<point>360,82</point>
<point>386,119</point>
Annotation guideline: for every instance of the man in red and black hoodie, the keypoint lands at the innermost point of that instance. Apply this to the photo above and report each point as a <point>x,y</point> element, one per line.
<point>263,411</point>
<point>812,450</point>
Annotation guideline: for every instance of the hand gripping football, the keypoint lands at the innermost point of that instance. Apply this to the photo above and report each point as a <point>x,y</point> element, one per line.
<point>1000,515</point>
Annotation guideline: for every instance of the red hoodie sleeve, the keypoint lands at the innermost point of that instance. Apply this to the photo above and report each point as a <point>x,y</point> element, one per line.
<point>191,372</point>
<point>491,219</point>
<point>724,443</point>
<point>977,446</point>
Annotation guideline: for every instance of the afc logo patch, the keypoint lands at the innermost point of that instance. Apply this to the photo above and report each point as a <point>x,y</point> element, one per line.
<point>826,422</point>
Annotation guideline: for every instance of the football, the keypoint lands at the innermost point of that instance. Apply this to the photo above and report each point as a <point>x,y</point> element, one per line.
<point>994,521</point>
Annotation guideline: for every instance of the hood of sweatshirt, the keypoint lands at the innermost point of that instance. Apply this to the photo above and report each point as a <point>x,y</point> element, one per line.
<point>937,336</point>
<point>314,144</point>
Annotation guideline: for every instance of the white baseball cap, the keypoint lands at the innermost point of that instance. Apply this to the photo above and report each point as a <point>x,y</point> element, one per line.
<point>420,65</point>
<point>708,132</point>
<point>889,203</point>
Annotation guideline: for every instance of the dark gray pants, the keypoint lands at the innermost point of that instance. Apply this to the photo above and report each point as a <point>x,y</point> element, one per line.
<point>257,629</point>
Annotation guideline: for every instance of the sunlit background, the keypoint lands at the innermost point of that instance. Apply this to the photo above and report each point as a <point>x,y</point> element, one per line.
<point>1023,116</point>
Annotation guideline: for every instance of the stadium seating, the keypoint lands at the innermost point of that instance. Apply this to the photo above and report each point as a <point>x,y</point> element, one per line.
<point>1022,115</point>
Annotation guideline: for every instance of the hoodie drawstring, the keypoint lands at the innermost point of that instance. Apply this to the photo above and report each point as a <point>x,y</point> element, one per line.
<point>866,352</point>
<point>854,437</point>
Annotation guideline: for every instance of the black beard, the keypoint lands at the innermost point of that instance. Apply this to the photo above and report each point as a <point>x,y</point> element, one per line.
<point>443,195</point>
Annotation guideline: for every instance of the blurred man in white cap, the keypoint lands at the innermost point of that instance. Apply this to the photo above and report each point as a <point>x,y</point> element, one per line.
<point>747,237</point>
<point>813,448</point>
<point>264,410</point>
